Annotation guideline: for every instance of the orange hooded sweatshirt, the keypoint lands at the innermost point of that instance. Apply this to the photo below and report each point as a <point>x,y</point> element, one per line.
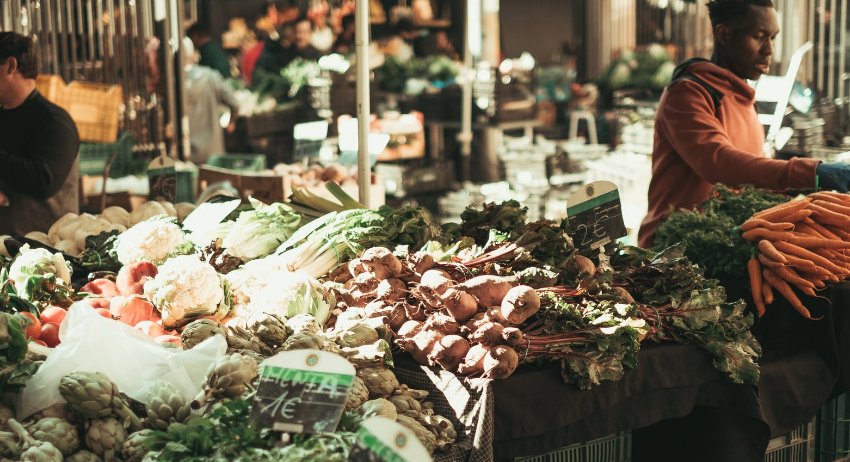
<point>696,146</point>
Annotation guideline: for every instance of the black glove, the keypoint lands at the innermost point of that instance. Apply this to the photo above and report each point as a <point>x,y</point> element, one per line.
<point>834,176</point>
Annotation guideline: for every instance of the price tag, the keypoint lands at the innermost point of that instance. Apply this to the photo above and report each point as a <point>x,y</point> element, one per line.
<point>595,215</point>
<point>302,391</point>
<point>162,176</point>
<point>210,213</point>
<point>383,440</point>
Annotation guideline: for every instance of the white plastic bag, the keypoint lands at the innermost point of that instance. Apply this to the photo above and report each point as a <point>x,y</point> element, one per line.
<point>131,359</point>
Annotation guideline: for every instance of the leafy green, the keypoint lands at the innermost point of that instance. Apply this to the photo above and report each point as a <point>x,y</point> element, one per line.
<point>100,253</point>
<point>507,219</point>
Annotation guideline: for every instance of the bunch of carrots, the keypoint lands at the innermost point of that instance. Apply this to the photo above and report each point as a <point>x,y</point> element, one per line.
<point>803,243</point>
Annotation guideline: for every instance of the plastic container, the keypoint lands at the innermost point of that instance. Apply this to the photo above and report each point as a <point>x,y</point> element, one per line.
<point>833,429</point>
<point>613,448</point>
<point>797,446</point>
<point>94,156</point>
<point>239,162</point>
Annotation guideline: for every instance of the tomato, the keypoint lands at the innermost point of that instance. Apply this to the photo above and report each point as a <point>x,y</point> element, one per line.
<point>54,314</point>
<point>50,334</point>
<point>33,331</point>
<point>104,312</point>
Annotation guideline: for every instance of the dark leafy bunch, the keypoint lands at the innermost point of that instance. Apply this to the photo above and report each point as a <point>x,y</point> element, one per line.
<point>710,233</point>
<point>100,253</point>
<point>506,219</point>
<point>595,333</point>
<point>15,368</point>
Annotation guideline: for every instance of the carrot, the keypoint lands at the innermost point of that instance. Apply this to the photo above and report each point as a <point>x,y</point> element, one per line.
<point>756,282</point>
<point>791,276</point>
<point>829,217</point>
<point>799,215</point>
<point>830,256</point>
<point>803,228</point>
<point>770,251</point>
<point>786,292</point>
<point>834,195</point>
<point>840,233</point>
<point>819,273</point>
<point>781,210</point>
<point>820,229</point>
<point>842,209</point>
<point>819,243</point>
<point>815,280</point>
<point>754,223</point>
<point>767,291</point>
<point>769,262</point>
<point>761,233</point>
<point>818,260</point>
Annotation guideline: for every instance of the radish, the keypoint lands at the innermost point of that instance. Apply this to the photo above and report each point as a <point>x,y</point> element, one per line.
<point>449,352</point>
<point>489,290</point>
<point>103,287</point>
<point>519,304</point>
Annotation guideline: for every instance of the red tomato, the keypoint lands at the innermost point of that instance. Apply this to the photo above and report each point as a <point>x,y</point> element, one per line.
<point>104,312</point>
<point>33,331</point>
<point>54,314</point>
<point>50,334</point>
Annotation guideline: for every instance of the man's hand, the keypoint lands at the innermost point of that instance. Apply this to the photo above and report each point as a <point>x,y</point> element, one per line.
<point>834,176</point>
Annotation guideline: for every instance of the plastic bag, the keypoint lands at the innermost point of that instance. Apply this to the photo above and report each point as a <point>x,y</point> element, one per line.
<point>131,359</point>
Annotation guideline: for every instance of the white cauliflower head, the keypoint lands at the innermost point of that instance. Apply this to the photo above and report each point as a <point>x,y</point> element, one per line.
<point>35,262</point>
<point>150,240</point>
<point>184,288</point>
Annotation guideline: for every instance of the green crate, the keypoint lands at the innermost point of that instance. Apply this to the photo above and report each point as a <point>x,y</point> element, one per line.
<point>187,185</point>
<point>94,156</point>
<point>239,162</point>
<point>613,448</point>
<point>833,429</point>
<point>797,446</point>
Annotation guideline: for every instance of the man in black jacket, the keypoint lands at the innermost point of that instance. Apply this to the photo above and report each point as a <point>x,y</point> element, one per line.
<point>39,145</point>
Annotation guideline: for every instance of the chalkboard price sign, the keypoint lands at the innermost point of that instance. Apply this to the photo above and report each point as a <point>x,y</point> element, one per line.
<point>595,215</point>
<point>162,179</point>
<point>383,440</point>
<point>302,391</point>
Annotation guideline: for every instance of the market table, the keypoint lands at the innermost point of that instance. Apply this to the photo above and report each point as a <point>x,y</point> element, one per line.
<point>677,404</point>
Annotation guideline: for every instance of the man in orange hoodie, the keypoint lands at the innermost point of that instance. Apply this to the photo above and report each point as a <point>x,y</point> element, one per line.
<point>707,130</point>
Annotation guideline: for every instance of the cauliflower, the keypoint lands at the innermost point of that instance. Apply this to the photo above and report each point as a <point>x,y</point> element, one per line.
<point>284,294</point>
<point>185,288</point>
<point>36,262</point>
<point>150,240</point>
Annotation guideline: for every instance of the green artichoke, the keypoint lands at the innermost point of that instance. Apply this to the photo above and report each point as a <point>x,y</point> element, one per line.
<point>134,447</point>
<point>380,382</point>
<point>58,410</point>
<point>229,377</point>
<point>58,432</point>
<point>105,435</point>
<point>200,330</point>
<point>166,405</point>
<point>405,404</point>
<point>426,437</point>
<point>42,451</point>
<point>302,323</point>
<point>270,328</point>
<point>357,335</point>
<point>303,341</point>
<point>93,395</point>
<point>242,339</point>
<point>83,455</point>
<point>358,395</point>
<point>378,407</point>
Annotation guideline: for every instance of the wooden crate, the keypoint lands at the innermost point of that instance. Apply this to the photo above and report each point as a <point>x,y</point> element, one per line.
<point>263,187</point>
<point>94,107</point>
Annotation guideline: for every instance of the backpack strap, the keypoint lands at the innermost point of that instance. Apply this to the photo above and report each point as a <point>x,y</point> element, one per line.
<point>716,95</point>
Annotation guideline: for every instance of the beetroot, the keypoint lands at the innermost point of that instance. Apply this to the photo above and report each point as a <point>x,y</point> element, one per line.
<point>488,334</point>
<point>473,362</point>
<point>489,290</point>
<point>391,290</point>
<point>381,262</point>
<point>519,304</point>
<point>460,305</point>
<point>437,280</point>
<point>500,362</point>
<point>449,352</point>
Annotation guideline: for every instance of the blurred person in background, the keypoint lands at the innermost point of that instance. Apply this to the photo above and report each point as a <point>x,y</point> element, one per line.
<point>211,53</point>
<point>270,52</point>
<point>345,40</point>
<point>206,91</point>
<point>322,37</point>
<point>39,146</point>
<point>303,47</point>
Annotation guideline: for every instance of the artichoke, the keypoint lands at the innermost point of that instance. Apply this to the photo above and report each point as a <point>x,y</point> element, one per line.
<point>200,330</point>
<point>42,451</point>
<point>302,323</point>
<point>5,415</point>
<point>270,328</point>
<point>356,335</point>
<point>134,447</point>
<point>378,407</point>
<point>61,433</point>
<point>303,341</point>
<point>93,395</point>
<point>228,377</point>
<point>242,339</point>
<point>83,456</point>
<point>358,395</point>
<point>166,405</point>
<point>426,437</point>
<point>406,404</point>
<point>59,410</point>
<point>380,382</point>
<point>105,435</point>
